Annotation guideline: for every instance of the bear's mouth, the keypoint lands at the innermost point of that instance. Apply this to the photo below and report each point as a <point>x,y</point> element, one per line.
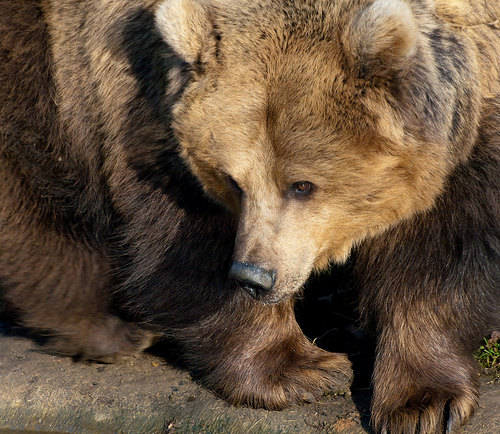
<point>252,291</point>
<point>269,297</point>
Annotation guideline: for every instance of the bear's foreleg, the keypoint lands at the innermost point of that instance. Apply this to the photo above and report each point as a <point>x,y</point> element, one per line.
<point>430,309</point>
<point>428,324</point>
<point>424,381</point>
<point>256,355</point>
<point>430,289</point>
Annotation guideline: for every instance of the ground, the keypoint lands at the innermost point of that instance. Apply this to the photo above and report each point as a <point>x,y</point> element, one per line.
<point>146,394</point>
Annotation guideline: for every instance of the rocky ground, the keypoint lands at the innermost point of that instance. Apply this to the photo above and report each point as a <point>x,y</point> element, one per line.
<point>142,395</point>
<point>147,394</point>
<point>40,392</point>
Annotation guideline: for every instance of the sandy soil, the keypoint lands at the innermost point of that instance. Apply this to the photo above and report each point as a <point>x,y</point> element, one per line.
<point>41,392</point>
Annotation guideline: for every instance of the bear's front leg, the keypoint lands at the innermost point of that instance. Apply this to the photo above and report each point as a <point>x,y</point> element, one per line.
<point>430,289</point>
<point>423,382</point>
<point>254,354</point>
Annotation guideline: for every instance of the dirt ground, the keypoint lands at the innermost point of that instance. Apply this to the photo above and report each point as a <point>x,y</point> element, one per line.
<point>40,392</point>
<point>147,394</point>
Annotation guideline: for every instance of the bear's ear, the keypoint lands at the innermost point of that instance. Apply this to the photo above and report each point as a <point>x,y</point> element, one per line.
<point>381,38</point>
<point>185,25</point>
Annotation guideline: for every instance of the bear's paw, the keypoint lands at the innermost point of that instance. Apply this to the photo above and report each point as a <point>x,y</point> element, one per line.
<point>417,405</point>
<point>275,382</point>
<point>105,340</point>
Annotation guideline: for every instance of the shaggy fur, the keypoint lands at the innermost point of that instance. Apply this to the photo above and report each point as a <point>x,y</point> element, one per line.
<point>321,125</point>
<point>106,239</point>
<point>328,125</point>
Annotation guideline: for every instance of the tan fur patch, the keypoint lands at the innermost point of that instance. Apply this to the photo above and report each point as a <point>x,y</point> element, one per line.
<point>347,96</point>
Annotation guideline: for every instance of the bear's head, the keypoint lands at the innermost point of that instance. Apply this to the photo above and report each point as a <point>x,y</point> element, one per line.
<point>318,123</point>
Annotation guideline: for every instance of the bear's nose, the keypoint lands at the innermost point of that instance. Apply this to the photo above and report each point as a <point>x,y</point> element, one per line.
<point>257,281</point>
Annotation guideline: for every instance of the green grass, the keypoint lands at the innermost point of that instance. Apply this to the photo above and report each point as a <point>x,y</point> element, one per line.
<point>488,355</point>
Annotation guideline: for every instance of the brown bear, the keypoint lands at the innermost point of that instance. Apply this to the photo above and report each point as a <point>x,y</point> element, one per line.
<point>327,126</point>
<point>106,239</point>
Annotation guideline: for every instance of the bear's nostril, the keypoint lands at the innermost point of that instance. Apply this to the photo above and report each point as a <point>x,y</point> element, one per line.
<point>253,279</point>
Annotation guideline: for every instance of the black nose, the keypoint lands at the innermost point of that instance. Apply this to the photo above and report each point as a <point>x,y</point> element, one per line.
<point>253,279</point>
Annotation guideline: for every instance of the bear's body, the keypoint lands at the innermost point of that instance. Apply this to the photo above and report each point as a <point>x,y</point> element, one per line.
<point>329,125</point>
<point>101,222</point>
<point>322,125</point>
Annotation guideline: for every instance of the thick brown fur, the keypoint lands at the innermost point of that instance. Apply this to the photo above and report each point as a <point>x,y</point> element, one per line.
<point>106,239</point>
<point>332,125</point>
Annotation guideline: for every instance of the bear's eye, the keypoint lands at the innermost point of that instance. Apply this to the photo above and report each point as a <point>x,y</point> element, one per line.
<point>234,185</point>
<point>301,188</point>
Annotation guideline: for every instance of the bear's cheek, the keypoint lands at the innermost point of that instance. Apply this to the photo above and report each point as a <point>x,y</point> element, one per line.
<point>341,221</point>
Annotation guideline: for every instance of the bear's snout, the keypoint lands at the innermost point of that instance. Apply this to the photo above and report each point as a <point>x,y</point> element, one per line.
<point>257,281</point>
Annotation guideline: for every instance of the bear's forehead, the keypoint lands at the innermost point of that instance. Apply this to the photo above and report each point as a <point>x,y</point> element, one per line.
<point>271,31</point>
<point>288,51</point>
<point>292,94</point>
<point>267,19</point>
<point>308,106</point>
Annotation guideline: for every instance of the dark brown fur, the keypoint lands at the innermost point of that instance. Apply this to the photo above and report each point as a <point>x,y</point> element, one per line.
<point>102,224</point>
<point>441,297</point>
